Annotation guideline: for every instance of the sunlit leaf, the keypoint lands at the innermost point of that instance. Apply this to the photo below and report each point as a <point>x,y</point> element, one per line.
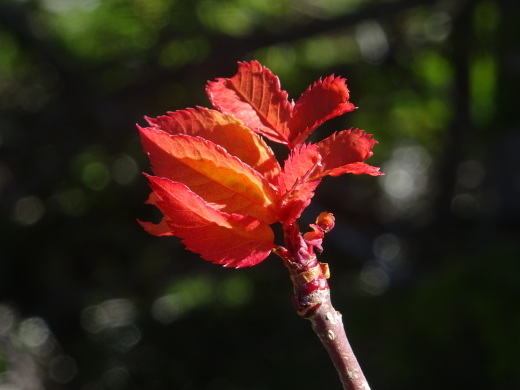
<point>296,189</point>
<point>358,168</point>
<point>208,170</point>
<point>228,239</point>
<point>342,150</point>
<point>324,100</point>
<point>224,130</point>
<point>254,96</point>
<point>220,184</point>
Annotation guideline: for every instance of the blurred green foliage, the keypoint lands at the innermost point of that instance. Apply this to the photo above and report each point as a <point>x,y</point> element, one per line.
<point>425,260</point>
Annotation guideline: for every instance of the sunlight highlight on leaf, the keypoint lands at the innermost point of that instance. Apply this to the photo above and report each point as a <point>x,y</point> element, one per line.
<point>254,96</point>
<point>219,185</point>
<point>228,239</point>
<point>208,170</point>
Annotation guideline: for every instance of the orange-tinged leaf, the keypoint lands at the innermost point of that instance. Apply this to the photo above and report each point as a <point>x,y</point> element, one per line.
<point>294,184</point>
<point>255,97</point>
<point>228,239</point>
<point>324,100</point>
<point>224,130</point>
<point>342,150</point>
<point>208,170</point>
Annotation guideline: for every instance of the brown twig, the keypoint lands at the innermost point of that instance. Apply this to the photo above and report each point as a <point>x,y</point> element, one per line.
<point>328,326</point>
<point>312,301</point>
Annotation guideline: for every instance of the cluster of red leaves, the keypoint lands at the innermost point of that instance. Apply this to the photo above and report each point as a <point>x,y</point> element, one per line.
<point>220,186</point>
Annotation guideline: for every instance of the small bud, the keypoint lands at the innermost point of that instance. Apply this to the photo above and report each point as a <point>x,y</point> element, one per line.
<point>315,237</point>
<point>325,221</point>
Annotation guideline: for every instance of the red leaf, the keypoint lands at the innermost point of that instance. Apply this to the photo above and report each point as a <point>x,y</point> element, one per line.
<point>228,239</point>
<point>357,168</point>
<point>157,229</point>
<point>295,187</point>
<point>344,152</point>
<point>324,100</point>
<point>220,185</point>
<point>208,170</point>
<point>315,237</point>
<point>254,96</point>
<point>224,130</point>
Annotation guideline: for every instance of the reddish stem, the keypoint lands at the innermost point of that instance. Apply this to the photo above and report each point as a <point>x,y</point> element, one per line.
<point>328,325</point>
<point>312,301</point>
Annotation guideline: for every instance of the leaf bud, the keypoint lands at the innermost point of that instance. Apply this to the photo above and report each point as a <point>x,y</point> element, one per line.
<point>325,221</point>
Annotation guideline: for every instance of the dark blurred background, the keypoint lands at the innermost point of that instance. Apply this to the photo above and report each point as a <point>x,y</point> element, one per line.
<point>425,260</point>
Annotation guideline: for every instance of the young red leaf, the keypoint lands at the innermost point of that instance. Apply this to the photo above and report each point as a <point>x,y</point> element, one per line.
<point>295,187</point>
<point>325,221</point>
<point>315,237</point>
<point>358,168</point>
<point>301,162</point>
<point>344,152</point>
<point>324,100</point>
<point>228,239</point>
<point>223,130</point>
<point>157,229</point>
<point>208,170</point>
<point>254,96</point>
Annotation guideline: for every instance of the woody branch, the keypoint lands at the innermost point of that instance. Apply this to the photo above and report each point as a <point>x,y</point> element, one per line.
<point>312,301</point>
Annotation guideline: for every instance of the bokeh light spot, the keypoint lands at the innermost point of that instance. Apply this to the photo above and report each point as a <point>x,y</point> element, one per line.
<point>64,6</point>
<point>236,290</point>
<point>34,332</point>
<point>470,174</point>
<point>438,26</point>
<point>387,247</point>
<point>373,280</point>
<point>226,17</point>
<point>281,58</point>
<point>372,41</point>
<point>28,210</point>
<point>465,205</point>
<point>72,201</point>
<point>178,53</point>
<point>123,338</point>
<point>95,175</point>
<point>167,308</point>
<point>405,173</point>
<point>124,169</point>
<point>63,369</point>
<point>108,314</point>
